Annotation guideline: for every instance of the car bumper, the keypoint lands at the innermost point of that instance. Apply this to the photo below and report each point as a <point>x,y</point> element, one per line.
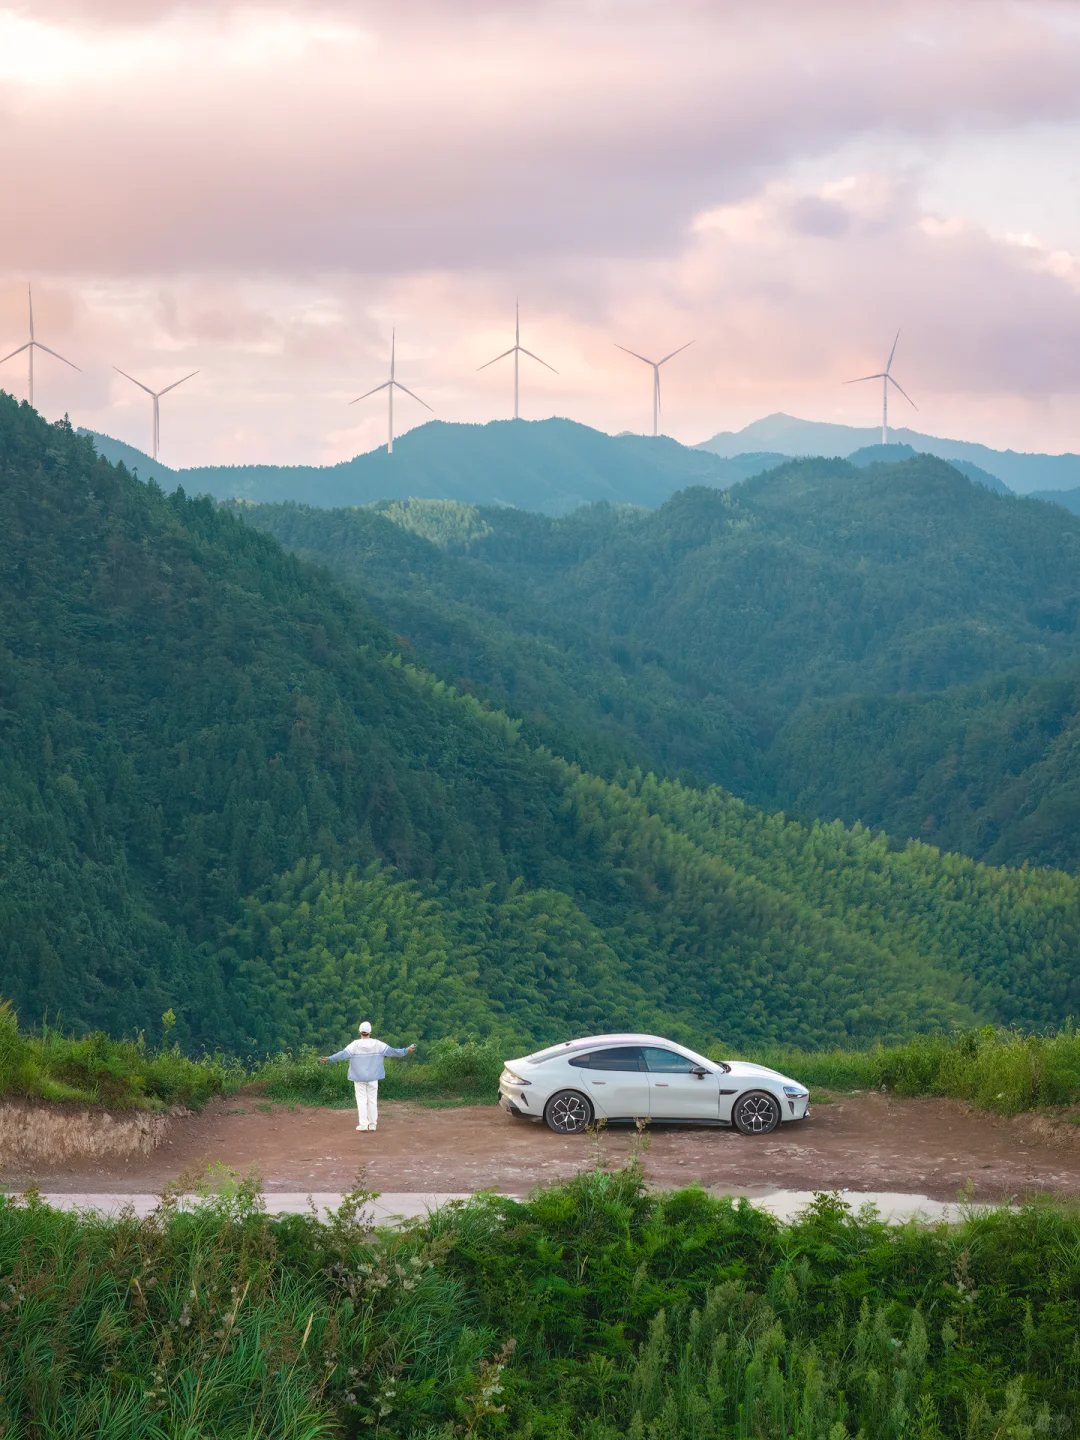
<point>515,1104</point>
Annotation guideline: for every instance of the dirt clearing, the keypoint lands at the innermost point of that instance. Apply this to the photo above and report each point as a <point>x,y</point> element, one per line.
<point>861,1142</point>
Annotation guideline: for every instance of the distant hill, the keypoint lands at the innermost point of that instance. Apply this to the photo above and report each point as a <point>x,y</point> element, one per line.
<point>890,454</point>
<point>1069,498</point>
<point>548,466</point>
<point>793,437</point>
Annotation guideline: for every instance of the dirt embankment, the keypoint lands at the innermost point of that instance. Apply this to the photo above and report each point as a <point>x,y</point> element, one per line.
<point>38,1136</point>
<point>866,1142</point>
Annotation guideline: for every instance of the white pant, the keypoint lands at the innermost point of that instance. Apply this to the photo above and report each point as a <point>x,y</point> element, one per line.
<point>367,1103</point>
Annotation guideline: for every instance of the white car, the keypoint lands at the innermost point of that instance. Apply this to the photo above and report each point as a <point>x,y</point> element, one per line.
<point>639,1077</point>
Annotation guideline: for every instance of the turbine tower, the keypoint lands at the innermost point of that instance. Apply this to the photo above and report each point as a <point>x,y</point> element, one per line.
<point>390,386</point>
<point>656,377</point>
<point>30,346</point>
<point>155,432</point>
<point>886,380</point>
<point>517,350</point>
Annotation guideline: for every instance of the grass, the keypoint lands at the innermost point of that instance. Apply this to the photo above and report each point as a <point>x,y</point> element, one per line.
<point>455,1072</point>
<point>128,1074</point>
<point>96,1070</point>
<point>594,1309</point>
<point>993,1069</point>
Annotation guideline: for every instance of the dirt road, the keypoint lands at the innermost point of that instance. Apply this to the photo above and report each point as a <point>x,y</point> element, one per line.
<point>862,1142</point>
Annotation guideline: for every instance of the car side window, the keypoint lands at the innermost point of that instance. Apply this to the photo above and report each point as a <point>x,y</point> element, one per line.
<point>621,1057</point>
<point>666,1062</point>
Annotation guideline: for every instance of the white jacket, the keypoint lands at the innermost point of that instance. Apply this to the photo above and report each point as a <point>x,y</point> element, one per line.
<point>365,1057</point>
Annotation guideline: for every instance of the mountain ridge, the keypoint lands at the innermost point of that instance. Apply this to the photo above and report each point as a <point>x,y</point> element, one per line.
<point>547,466</point>
<point>795,438</point>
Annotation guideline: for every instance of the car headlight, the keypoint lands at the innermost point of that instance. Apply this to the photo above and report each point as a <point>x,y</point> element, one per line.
<point>795,1092</point>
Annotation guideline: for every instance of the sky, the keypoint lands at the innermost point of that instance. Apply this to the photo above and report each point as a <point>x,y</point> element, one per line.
<point>263,193</point>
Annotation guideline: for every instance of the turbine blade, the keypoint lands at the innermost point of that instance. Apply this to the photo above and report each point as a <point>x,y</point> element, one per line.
<point>133,380</point>
<point>633,353</point>
<point>55,356</point>
<point>30,302</point>
<point>176,382</point>
<point>675,352</point>
<point>497,359</point>
<point>903,392</point>
<point>892,352</point>
<point>19,351</point>
<point>860,378</point>
<point>415,397</point>
<point>366,393</point>
<point>537,359</point>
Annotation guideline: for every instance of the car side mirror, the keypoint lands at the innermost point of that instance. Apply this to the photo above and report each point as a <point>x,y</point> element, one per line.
<point>699,1071</point>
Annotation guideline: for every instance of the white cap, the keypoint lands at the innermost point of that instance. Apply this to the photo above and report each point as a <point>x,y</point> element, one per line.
<point>365,1028</point>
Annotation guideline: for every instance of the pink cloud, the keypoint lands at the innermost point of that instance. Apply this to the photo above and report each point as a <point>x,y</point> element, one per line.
<point>263,193</point>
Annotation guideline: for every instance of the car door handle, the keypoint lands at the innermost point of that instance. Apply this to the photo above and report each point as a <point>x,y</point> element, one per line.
<point>597,1082</point>
<point>661,1084</point>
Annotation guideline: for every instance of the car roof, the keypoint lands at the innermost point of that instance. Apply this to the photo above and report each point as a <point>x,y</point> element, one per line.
<point>590,1042</point>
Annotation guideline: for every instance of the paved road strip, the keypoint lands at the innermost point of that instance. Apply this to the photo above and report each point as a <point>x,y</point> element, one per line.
<point>407,1204</point>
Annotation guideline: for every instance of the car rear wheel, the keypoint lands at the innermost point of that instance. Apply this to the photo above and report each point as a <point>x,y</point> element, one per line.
<point>756,1113</point>
<point>568,1113</point>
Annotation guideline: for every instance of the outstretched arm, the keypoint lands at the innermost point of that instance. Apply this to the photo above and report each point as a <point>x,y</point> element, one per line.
<point>341,1055</point>
<point>390,1050</point>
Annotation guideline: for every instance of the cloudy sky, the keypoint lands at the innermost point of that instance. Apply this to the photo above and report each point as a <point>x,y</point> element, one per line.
<point>264,192</point>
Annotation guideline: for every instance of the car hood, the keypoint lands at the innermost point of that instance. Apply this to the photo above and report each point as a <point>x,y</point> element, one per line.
<point>745,1070</point>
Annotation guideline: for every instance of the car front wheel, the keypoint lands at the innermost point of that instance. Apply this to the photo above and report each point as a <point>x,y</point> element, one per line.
<point>756,1113</point>
<point>568,1113</point>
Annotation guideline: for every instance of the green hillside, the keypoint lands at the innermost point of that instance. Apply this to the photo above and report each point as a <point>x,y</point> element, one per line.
<point>225,792</point>
<point>889,643</point>
<point>551,466</point>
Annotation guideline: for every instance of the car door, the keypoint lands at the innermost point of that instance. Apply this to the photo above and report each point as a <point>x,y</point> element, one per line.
<point>615,1081</point>
<point>677,1088</point>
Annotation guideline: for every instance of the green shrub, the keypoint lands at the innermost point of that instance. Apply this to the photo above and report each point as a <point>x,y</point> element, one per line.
<point>594,1309</point>
<point>1003,1070</point>
<point>464,1070</point>
<point>467,1067</point>
<point>96,1070</point>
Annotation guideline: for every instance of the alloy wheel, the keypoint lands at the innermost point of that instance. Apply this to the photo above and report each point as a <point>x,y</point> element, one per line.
<point>757,1114</point>
<point>568,1114</point>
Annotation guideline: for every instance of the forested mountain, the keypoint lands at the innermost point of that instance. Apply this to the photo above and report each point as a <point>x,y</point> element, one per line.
<point>792,438</point>
<point>1070,499</point>
<point>887,643</point>
<point>551,466</point>
<point>224,791</point>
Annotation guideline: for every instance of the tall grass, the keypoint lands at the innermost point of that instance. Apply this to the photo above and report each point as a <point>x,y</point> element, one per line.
<point>96,1070</point>
<point>453,1071</point>
<point>594,1309</point>
<point>994,1069</point>
<point>1002,1070</point>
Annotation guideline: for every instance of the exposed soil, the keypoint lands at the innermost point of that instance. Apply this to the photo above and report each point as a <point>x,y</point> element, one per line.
<point>862,1142</point>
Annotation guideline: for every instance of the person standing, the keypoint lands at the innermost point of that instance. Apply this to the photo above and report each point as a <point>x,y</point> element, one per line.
<point>366,1069</point>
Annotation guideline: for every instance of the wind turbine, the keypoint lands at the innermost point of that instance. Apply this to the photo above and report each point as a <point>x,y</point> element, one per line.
<point>656,377</point>
<point>155,433</point>
<point>390,386</point>
<point>886,380</point>
<point>517,350</point>
<point>30,346</point>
